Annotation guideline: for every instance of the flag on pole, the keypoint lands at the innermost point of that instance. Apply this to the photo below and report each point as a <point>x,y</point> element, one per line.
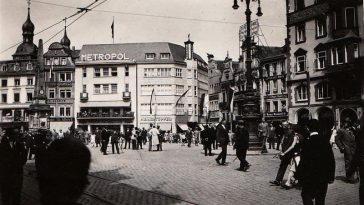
<point>150,105</point>
<point>50,70</point>
<point>112,28</point>
<point>182,96</point>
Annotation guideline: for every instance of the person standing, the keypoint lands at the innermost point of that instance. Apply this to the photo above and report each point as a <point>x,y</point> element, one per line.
<point>205,139</point>
<point>140,139</point>
<point>13,156</point>
<point>98,137</point>
<point>115,142</point>
<point>105,140</point>
<point>345,140</point>
<point>160,139</point>
<point>213,136</point>
<point>222,137</point>
<point>263,130</point>
<point>279,135</point>
<point>154,133</point>
<point>271,136</point>
<point>317,166</point>
<point>127,138</point>
<point>150,137</point>
<point>241,145</point>
<point>189,136</point>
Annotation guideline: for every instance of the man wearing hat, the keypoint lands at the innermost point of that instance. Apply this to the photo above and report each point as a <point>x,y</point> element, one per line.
<point>241,145</point>
<point>223,139</point>
<point>345,140</point>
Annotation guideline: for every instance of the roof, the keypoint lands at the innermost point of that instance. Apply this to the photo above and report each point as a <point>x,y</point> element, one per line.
<point>136,51</point>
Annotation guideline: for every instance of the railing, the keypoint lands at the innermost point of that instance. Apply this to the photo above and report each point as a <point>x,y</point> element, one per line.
<point>105,115</point>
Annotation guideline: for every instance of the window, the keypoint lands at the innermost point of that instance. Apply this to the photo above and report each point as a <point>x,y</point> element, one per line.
<point>29,66</point>
<point>29,97</point>
<point>338,19</point>
<point>114,71</point>
<point>301,93</point>
<point>84,72</point>
<point>4,83</point>
<point>61,111</point>
<point>56,61</point>
<point>321,27</point>
<point>97,89</point>
<point>164,90</point>
<point>84,88</point>
<point>105,71</point>
<point>301,63</point>
<point>149,56</point>
<point>114,88</point>
<point>52,111</point>
<point>51,94</point>
<point>126,70</point>
<point>338,55</point>
<point>126,87</point>
<point>283,103</point>
<point>356,50</point>
<point>195,111</point>
<point>275,106</point>
<point>350,21</point>
<point>323,91</point>
<point>321,60</point>
<point>267,69</point>
<point>65,77</point>
<point>17,82</point>
<point>4,67</point>
<point>68,76</point>
<point>16,97</point>
<point>68,111</point>
<point>189,73</point>
<point>165,55</point>
<point>178,72</point>
<point>105,88</point>
<point>274,65</point>
<point>4,98</point>
<point>48,61</point>
<point>63,61</point>
<point>163,72</point>
<point>62,93</point>
<point>30,81</point>
<point>180,109</point>
<point>179,89</point>
<point>300,4</point>
<point>267,107</point>
<point>268,87</point>
<point>190,111</point>
<point>275,86</point>
<point>195,75</point>
<point>300,33</point>
<point>148,72</point>
<point>97,72</point>
<point>16,67</point>
<point>195,91</point>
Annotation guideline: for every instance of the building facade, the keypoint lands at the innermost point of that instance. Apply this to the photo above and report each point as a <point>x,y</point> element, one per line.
<point>17,78</point>
<point>59,65</point>
<point>116,81</point>
<point>325,58</point>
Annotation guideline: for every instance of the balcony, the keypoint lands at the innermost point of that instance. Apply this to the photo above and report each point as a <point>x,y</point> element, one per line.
<point>84,97</point>
<point>105,115</point>
<point>126,96</point>
<point>307,13</point>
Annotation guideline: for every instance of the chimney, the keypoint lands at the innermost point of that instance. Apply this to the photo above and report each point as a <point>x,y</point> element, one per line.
<point>189,48</point>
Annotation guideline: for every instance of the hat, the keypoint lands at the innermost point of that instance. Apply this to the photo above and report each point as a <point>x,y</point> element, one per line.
<point>240,122</point>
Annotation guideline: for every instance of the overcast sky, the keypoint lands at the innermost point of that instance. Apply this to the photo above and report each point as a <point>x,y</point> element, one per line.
<point>210,36</point>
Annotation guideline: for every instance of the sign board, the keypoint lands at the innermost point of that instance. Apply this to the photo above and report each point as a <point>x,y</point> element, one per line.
<point>157,119</point>
<point>254,29</point>
<point>104,57</point>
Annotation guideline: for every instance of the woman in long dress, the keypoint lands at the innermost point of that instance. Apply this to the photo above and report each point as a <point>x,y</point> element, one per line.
<point>154,133</point>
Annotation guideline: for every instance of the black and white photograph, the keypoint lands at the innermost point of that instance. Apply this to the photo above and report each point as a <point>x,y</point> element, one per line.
<point>163,102</point>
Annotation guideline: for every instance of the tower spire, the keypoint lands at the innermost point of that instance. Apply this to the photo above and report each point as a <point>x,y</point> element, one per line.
<point>65,41</point>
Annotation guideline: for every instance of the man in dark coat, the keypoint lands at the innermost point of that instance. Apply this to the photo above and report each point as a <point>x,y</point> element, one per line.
<point>345,140</point>
<point>206,139</point>
<point>241,145</point>
<point>279,134</point>
<point>127,138</point>
<point>13,156</point>
<point>97,137</point>
<point>222,136</point>
<point>189,136</point>
<point>213,136</point>
<point>317,166</point>
<point>115,142</point>
<point>105,136</point>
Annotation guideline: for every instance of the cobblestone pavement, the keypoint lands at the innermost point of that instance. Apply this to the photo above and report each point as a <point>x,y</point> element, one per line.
<point>182,175</point>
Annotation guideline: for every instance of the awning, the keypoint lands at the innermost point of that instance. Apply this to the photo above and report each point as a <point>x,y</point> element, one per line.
<point>182,127</point>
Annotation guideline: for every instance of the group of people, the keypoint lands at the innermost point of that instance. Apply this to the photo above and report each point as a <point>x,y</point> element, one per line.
<point>270,133</point>
<point>61,176</point>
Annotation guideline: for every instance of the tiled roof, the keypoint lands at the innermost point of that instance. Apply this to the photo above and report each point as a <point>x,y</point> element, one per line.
<point>137,51</point>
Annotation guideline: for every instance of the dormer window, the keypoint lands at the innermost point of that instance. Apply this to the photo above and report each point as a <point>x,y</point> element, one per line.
<point>56,61</point>
<point>4,67</point>
<point>149,56</point>
<point>48,61</point>
<point>63,61</point>
<point>17,67</point>
<point>29,66</point>
<point>165,55</point>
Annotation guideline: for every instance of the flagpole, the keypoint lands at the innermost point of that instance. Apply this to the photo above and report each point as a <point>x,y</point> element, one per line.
<point>112,30</point>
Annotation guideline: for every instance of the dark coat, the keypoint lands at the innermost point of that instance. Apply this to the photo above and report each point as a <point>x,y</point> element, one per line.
<point>105,135</point>
<point>345,140</point>
<point>205,136</point>
<point>242,138</point>
<point>222,135</point>
<point>317,163</point>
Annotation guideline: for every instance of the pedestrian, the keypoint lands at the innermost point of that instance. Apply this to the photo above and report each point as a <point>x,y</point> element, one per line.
<point>317,166</point>
<point>64,178</point>
<point>134,138</point>
<point>127,138</point>
<point>197,136</point>
<point>213,135</point>
<point>115,142</point>
<point>241,145</point>
<point>345,140</point>
<point>98,137</point>
<point>144,135</point>
<point>286,155</point>
<point>154,135</point>
<point>263,130</point>
<point>13,156</point>
<point>222,137</point>
<point>93,139</point>
<point>150,137</point>
<point>105,137</point>
<point>279,135</point>
<point>205,134</point>
<point>189,136</point>
<point>30,146</point>
<point>160,139</point>
<point>140,139</point>
<point>60,134</point>
<point>271,136</point>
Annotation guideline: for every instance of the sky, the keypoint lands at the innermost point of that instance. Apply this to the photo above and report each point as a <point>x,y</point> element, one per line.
<point>212,24</point>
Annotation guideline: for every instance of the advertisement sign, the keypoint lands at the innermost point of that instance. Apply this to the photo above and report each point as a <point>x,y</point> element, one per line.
<point>254,29</point>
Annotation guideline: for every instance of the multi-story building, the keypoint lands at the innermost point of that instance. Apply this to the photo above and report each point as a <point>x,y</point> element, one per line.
<point>59,63</point>
<point>325,58</point>
<point>274,85</point>
<point>17,78</point>
<point>115,83</point>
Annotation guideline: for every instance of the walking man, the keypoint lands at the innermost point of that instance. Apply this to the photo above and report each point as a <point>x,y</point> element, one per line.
<point>105,140</point>
<point>115,142</point>
<point>263,129</point>
<point>241,145</point>
<point>222,137</point>
<point>189,136</point>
